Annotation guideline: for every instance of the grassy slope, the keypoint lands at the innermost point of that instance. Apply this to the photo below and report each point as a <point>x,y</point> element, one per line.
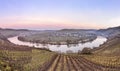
<point>22,58</point>
<point>107,54</point>
<point>39,57</point>
<point>112,47</point>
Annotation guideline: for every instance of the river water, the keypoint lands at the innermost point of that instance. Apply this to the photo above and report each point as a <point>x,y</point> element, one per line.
<point>61,48</point>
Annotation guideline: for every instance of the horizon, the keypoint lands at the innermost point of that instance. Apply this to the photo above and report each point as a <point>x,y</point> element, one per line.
<point>57,29</point>
<point>59,14</point>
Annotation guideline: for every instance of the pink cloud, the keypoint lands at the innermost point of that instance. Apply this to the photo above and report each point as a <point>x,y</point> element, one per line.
<point>50,26</point>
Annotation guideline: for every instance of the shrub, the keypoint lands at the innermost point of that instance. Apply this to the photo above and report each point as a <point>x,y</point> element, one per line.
<point>86,51</point>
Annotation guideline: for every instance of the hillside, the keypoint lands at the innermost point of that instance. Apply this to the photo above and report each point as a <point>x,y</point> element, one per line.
<point>111,47</point>
<point>110,32</point>
<point>23,58</point>
<point>2,37</point>
<point>11,32</point>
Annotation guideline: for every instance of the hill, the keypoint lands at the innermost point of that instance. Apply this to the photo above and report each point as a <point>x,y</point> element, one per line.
<point>111,47</point>
<point>22,58</point>
<point>110,32</point>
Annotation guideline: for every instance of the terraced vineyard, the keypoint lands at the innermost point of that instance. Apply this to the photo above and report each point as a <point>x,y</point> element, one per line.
<point>108,62</point>
<point>23,58</point>
<point>76,63</point>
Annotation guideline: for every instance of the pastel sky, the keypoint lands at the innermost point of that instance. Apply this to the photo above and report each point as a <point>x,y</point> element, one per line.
<point>58,14</point>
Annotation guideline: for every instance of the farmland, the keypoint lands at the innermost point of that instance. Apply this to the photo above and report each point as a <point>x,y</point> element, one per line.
<point>23,58</point>
<point>60,37</point>
<point>79,63</point>
<point>13,57</point>
<point>108,61</point>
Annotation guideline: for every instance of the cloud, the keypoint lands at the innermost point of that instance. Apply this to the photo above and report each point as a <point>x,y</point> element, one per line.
<point>80,19</point>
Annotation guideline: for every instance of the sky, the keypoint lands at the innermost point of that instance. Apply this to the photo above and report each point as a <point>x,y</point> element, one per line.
<point>59,14</point>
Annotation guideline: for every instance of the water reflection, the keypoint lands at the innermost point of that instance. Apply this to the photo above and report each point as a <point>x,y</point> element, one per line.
<point>62,48</point>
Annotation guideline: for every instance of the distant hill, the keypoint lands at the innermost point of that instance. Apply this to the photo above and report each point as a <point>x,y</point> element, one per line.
<point>2,37</point>
<point>112,46</point>
<point>110,32</point>
<point>77,30</point>
<point>7,32</point>
<point>14,29</point>
<point>111,28</point>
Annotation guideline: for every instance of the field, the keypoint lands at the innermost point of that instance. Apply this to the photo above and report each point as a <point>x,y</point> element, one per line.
<point>110,61</point>
<point>64,37</point>
<point>23,58</point>
<point>111,47</point>
<point>41,60</point>
<point>78,63</point>
<point>15,58</point>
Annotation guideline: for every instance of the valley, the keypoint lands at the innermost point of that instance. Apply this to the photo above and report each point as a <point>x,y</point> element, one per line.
<point>14,57</point>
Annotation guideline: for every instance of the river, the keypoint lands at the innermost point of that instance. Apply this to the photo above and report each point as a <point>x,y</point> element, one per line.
<point>61,48</point>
